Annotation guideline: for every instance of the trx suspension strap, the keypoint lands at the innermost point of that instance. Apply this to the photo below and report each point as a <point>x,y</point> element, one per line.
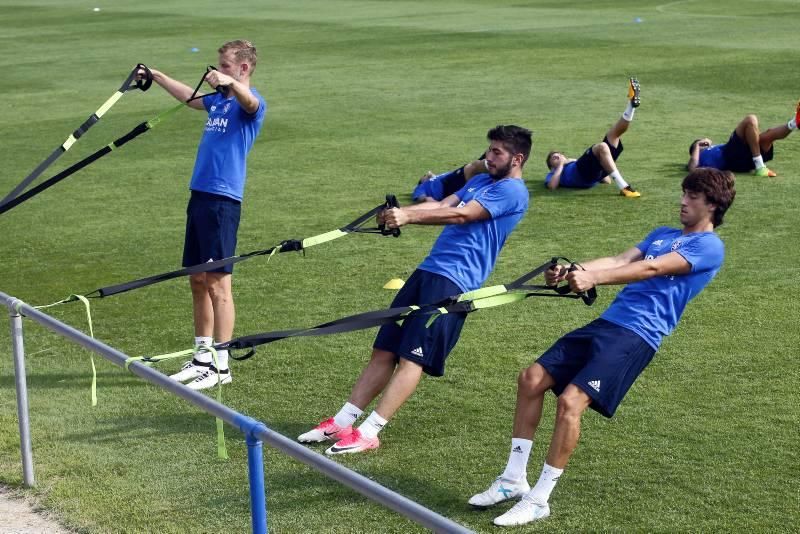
<point>131,82</point>
<point>289,245</point>
<point>464,303</point>
<point>133,134</point>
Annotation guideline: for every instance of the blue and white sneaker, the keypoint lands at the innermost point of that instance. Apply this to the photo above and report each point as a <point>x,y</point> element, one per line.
<point>501,490</point>
<point>528,509</point>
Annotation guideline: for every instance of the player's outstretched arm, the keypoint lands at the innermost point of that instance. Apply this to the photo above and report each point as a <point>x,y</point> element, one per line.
<point>667,265</point>
<point>178,90</point>
<point>445,213</point>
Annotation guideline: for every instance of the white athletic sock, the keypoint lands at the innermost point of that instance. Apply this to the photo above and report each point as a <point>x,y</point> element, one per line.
<point>792,124</point>
<point>517,465</point>
<point>203,341</point>
<point>547,482</point>
<point>758,161</point>
<point>618,179</point>
<point>372,425</point>
<point>347,415</point>
<point>628,113</point>
<point>222,360</point>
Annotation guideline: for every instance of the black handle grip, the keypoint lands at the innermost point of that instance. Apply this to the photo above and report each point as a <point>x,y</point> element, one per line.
<point>391,202</point>
<point>145,84</point>
<point>588,297</point>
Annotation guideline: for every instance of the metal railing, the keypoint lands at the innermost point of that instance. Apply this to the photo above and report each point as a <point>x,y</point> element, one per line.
<point>255,431</point>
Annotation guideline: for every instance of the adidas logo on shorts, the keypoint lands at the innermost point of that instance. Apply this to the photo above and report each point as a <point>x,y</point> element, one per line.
<point>595,385</point>
<point>418,352</point>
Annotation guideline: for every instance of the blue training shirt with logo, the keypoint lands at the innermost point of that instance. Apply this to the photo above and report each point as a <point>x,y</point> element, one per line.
<point>466,253</point>
<point>653,307</point>
<point>570,177</point>
<point>713,157</point>
<point>221,164</point>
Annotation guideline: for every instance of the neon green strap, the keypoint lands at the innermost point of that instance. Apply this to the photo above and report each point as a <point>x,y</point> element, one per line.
<point>110,102</point>
<point>152,123</point>
<point>440,311</point>
<point>497,300</point>
<point>153,359</point>
<point>222,451</point>
<point>322,238</point>
<point>482,293</point>
<point>73,298</point>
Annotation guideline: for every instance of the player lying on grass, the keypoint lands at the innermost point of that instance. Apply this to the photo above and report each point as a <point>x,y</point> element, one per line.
<point>598,162</point>
<point>747,149</point>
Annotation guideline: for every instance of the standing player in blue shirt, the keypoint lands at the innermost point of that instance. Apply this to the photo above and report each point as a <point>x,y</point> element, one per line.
<point>234,121</point>
<point>598,162</point>
<point>746,150</point>
<point>478,219</point>
<point>594,366</point>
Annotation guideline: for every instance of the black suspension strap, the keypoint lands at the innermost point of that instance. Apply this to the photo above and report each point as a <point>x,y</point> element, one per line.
<point>133,134</point>
<point>131,82</point>
<point>289,245</point>
<point>464,303</point>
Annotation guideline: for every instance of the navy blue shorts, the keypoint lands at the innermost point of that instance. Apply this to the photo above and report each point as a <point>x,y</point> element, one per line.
<point>589,166</point>
<point>738,157</point>
<point>602,358</point>
<point>212,222</point>
<point>412,341</point>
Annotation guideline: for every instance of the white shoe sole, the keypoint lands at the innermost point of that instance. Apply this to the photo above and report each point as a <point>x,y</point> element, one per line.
<point>210,383</point>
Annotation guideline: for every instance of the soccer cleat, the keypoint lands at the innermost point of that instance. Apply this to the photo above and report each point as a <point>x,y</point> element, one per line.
<point>629,192</point>
<point>190,370</point>
<point>355,442</point>
<point>526,510</point>
<point>326,430</point>
<point>633,92</point>
<point>500,490</point>
<point>797,114</point>
<point>210,378</point>
<point>765,172</point>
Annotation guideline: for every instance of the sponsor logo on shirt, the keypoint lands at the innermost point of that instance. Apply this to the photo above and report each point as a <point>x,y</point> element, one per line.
<point>216,125</point>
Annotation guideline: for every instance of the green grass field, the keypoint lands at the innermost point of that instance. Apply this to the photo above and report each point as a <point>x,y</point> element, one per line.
<point>364,96</point>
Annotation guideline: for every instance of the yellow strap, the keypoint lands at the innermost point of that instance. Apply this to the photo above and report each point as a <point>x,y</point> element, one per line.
<point>73,298</point>
<point>497,300</point>
<point>322,238</point>
<point>222,451</point>
<point>482,292</point>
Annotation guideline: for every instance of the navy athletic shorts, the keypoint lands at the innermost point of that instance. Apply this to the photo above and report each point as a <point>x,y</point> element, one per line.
<point>429,347</point>
<point>602,358</point>
<point>738,157</point>
<point>589,166</point>
<point>212,222</point>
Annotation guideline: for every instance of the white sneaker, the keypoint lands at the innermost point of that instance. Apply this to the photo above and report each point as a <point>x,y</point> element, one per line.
<point>500,490</point>
<point>528,509</point>
<point>209,379</point>
<point>190,370</point>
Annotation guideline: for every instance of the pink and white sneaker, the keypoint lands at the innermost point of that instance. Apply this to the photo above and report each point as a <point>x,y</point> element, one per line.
<point>326,430</point>
<point>355,442</point>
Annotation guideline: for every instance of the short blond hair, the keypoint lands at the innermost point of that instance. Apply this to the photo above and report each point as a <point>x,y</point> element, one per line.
<point>243,51</point>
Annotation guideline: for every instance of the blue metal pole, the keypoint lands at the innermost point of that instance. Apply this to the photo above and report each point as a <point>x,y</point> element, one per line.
<point>258,500</point>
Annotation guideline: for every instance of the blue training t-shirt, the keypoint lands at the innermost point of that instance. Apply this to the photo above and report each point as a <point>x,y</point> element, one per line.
<point>466,253</point>
<point>221,164</point>
<point>570,177</point>
<point>652,308</point>
<point>713,157</point>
